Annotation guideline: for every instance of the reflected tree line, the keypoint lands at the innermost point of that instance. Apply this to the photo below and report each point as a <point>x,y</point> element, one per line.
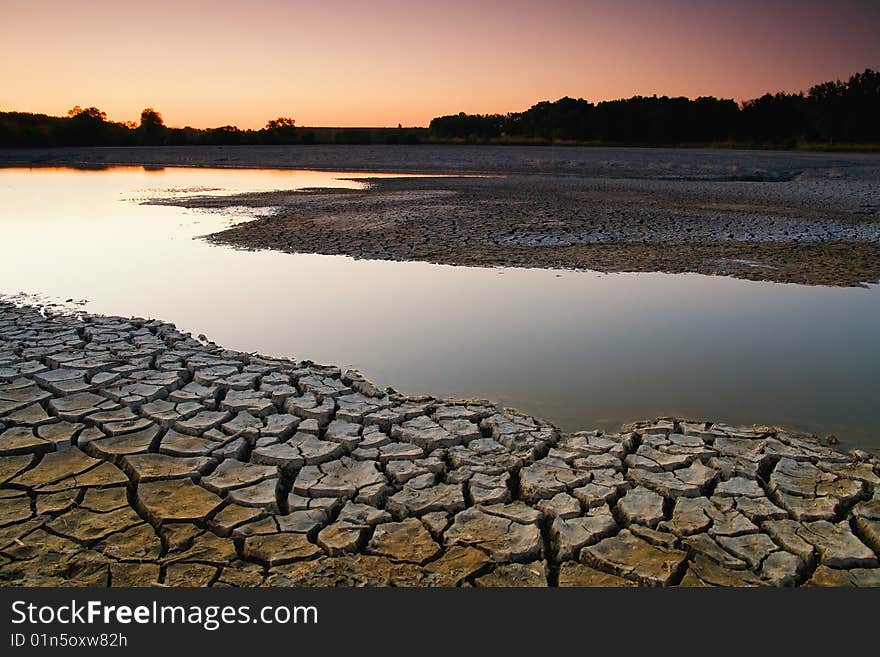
<point>832,113</point>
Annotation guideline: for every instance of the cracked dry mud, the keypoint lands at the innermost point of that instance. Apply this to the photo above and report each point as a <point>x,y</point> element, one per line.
<point>132,454</point>
<point>821,231</point>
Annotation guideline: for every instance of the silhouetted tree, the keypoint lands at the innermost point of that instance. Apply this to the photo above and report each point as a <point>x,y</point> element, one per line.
<point>86,126</point>
<point>280,122</point>
<point>847,111</point>
<point>467,126</point>
<point>566,119</point>
<point>280,131</point>
<point>152,127</point>
<point>776,118</point>
<point>227,134</point>
<point>92,113</point>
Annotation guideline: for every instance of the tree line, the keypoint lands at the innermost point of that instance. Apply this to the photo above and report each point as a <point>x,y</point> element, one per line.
<point>89,127</point>
<point>833,113</point>
<point>830,113</point>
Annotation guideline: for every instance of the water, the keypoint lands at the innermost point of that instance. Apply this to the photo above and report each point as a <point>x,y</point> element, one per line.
<point>581,349</point>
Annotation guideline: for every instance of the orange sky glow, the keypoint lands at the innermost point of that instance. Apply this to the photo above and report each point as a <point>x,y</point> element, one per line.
<point>348,62</point>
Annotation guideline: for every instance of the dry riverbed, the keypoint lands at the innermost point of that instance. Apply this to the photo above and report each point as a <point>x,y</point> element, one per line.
<point>821,232</point>
<point>799,217</point>
<point>132,454</point>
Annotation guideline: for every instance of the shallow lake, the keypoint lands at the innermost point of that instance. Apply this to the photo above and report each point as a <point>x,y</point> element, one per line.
<point>581,349</point>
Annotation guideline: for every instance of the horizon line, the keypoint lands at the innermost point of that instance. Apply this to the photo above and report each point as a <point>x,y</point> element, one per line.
<point>739,103</point>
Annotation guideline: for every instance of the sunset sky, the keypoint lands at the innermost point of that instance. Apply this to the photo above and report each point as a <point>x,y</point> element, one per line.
<point>384,62</point>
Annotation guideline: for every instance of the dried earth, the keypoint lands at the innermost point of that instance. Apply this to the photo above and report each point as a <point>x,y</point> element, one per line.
<point>132,454</point>
<point>803,231</point>
<point>599,225</point>
<point>811,218</point>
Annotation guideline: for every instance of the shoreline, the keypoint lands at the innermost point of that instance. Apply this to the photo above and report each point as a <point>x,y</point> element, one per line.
<point>787,233</point>
<point>134,454</point>
<point>598,161</point>
<point>806,218</point>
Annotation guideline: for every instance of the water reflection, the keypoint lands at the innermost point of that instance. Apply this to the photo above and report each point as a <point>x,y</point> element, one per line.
<point>583,349</point>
